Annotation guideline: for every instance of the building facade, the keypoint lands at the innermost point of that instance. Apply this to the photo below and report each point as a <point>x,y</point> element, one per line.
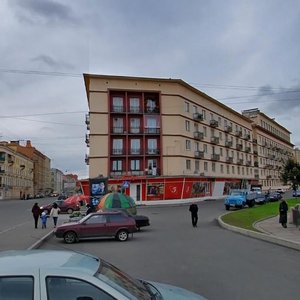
<point>164,139</point>
<point>16,174</point>
<point>272,147</point>
<point>57,180</point>
<point>41,166</point>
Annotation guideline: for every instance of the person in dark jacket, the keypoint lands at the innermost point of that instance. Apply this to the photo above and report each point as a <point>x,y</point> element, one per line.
<point>194,213</point>
<point>90,209</point>
<point>36,212</point>
<point>283,209</point>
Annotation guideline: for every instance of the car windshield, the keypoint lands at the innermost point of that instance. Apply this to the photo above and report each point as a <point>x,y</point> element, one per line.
<point>236,193</point>
<point>128,286</point>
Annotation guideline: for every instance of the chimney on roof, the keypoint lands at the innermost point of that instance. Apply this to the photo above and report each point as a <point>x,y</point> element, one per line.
<point>28,144</point>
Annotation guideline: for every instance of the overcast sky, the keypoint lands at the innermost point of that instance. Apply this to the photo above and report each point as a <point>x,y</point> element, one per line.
<point>243,53</point>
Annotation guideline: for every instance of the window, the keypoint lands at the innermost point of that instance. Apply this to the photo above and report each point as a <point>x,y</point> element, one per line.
<point>187,125</point>
<point>150,105</point>
<point>135,125</point>
<point>70,288</point>
<point>213,167</point>
<point>117,104</point>
<point>204,148</point>
<point>152,124</point>
<point>134,104</point>
<point>18,288</point>
<point>117,146</point>
<point>219,121</point>
<point>205,166</point>
<point>222,169</point>
<point>232,169</point>
<point>228,169</point>
<point>221,151</point>
<point>204,131</point>
<point>118,126</point>
<point>197,165</point>
<point>186,107</point>
<point>135,165</point>
<point>188,164</point>
<point>152,146</point>
<point>195,109</point>
<point>97,219</point>
<point>117,165</point>
<point>135,146</point>
<point>204,114</point>
<point>187,145</point>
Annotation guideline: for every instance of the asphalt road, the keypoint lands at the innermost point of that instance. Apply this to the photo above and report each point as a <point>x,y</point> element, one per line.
<point>214,262</point>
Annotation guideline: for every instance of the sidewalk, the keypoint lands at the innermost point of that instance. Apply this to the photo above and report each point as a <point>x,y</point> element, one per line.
<point>270,230</point>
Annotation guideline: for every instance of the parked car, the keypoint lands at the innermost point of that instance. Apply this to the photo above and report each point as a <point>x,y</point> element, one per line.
<point>65,207</point>
<point>281,191</point>
<point>140,220</point>
<point>273,196</point>
<point>62,197</point>
<point>72,275</point>
<point>296,193</point>
<point>96,225</point>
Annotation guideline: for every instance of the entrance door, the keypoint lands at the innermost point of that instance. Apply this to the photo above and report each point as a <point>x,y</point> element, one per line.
<point>135,192</point>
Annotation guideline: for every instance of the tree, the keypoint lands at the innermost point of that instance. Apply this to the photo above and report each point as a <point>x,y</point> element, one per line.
<point>291,173</point>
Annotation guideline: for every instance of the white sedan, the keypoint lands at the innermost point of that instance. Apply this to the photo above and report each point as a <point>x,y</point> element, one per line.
<point>66,275</point>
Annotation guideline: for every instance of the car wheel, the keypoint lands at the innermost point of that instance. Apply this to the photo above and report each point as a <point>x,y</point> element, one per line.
<point>227,207</point>
<point>70,237</point>
<point>69,210</point>
<point>122,235</point>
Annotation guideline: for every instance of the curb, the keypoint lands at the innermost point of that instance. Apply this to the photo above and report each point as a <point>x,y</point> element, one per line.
<point>38,243</point>
<point>259,235</point>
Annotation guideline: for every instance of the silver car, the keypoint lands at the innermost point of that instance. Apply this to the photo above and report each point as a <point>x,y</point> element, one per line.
<point>57,275</point>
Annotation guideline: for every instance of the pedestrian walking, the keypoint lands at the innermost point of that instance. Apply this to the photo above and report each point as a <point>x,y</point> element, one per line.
<point>36,212</point>
<point>194,213</point>
<point>283,209</point>
<point>55,210</point>
<point>90,209</point>
<point>44,218</point>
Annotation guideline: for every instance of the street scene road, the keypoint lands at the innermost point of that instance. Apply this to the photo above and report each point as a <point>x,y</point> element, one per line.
<point>209,260</point>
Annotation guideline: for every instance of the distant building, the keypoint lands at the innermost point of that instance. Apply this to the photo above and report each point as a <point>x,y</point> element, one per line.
<point>57,181</point>
<point>41,166</point>
<point>297,155</point>
<point>16,174</point>
<point>163,139</point>
<point>272,147</point>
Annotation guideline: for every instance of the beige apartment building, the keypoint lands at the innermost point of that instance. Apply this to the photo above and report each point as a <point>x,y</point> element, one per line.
<point>41,166</point>
<point>272,147</point>
<point>167,140</point>
<point>16,174</point>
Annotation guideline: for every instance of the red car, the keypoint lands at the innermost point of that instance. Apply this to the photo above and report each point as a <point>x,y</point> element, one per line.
<point>65,207</point>
<point>96,225</point>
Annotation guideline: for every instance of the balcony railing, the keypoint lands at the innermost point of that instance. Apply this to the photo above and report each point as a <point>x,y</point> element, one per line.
<point>247,137</point>
<point>239,147</point>
<point>118,108</point>
<point>118,130</point>
<point>153,151</point>
<point>215,140</point>
<point>214,123</point>
<point>238,133</point>
<point>198,116</point>
<point>239,161</point>
<point>135,110</point>
<point>228,143</point>
<point>198,135</point>
<point>248,163</point>
<point>152,130</point>
<point>134,130</point>
<point>135,151</point>
<point>229,159</point>
<point>117,151</point>
<point>215,157</point>
<point>247,149</point>
<point>228,129</point>
<point>199,154</point>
